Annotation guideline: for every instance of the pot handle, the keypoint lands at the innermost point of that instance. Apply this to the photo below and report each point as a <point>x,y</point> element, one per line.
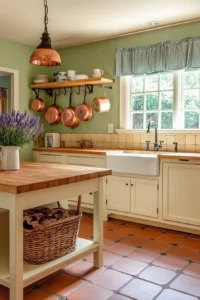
<point>37,93</point>
<point>70,97</point>
<point>85,93</point>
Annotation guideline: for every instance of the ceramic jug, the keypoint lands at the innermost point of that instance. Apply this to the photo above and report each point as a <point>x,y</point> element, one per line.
<point>10,158</point>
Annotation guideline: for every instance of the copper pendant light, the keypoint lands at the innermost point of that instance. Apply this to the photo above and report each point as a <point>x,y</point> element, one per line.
<point>45,55</point>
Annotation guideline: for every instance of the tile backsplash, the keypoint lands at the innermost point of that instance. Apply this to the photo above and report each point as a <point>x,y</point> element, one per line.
<point>186,142</point>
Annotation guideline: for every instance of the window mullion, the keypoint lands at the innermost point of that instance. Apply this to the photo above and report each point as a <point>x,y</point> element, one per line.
<point>177,116</point>
<point>159,104</point>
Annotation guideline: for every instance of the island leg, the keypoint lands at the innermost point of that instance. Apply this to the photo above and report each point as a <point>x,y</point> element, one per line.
<point>98,223</point>
<point>16,251</point>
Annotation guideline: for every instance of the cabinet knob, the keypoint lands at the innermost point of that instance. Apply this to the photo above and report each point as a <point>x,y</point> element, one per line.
<point>126,183</point>
<point>131,184</point>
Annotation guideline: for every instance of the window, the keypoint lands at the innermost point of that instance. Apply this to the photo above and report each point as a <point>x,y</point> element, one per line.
<point>171,100</point>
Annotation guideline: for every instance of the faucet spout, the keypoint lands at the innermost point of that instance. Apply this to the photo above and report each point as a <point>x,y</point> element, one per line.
<point>156,135</point>
<point>156,145</point>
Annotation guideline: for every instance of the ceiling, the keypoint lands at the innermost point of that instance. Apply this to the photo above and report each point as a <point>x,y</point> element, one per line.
<point>80,22</point>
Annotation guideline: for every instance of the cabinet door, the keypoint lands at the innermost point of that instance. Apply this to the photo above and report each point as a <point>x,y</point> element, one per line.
<point>181,193</point>
<point>119,193</point>
<point>144,197</point>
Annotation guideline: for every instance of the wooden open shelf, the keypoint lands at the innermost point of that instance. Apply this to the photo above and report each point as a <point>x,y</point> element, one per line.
<point>33,273</point>
<point>71,83</point>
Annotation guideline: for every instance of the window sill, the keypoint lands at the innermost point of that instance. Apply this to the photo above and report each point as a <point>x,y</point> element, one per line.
<point>167,131</point>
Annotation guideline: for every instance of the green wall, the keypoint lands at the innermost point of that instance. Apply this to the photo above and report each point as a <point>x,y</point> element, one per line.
<point>83,59</point>
<point>16,56</point>
<point>101,55</point>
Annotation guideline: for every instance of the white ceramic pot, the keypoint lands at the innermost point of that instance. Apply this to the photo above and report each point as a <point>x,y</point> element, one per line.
<point>10,158</point>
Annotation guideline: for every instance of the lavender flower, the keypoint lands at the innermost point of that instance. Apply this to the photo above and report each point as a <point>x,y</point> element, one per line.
<point>18,129</point>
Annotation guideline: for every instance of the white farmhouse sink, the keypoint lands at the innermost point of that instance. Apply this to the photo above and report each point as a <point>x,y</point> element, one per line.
<point>135,163</point>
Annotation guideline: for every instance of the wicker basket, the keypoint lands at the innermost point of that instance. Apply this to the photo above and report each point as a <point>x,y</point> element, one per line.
<point>54,240</point>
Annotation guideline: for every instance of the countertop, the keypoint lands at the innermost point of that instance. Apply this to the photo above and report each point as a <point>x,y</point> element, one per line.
<point>35,176</point>
<point>95,151</point>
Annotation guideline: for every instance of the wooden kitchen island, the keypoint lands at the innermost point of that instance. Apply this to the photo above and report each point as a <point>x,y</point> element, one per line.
<point>37,184</point>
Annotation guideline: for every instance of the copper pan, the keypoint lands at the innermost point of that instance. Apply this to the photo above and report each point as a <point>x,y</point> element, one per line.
<point>37,104</point>
<point>53,113</point>
<point>101,104</point>
<point>68,117</point>
<point>84,111</point>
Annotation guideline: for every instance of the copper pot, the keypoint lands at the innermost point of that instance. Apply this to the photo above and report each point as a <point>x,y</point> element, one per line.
<point>37,104</point>
<point>84,111</point>
<point>101,104</point>
<point>53,113</point>
<point>68,117</point>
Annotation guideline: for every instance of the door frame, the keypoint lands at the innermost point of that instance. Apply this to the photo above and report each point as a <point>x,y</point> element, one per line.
<point>14,74</point>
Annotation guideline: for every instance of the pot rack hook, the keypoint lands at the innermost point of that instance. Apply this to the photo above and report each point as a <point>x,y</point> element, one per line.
<point>49,92</point>
<point>79,90</point>
<point>64,91</point>
<point>90,88</point>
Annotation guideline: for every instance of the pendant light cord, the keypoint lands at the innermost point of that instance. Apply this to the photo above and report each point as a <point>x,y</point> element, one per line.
<point>46,14</point>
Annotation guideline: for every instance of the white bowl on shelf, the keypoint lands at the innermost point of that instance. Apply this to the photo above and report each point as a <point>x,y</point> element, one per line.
<point>40,80</point>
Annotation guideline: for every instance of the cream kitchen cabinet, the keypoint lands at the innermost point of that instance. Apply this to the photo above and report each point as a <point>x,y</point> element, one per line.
<point>57,158</point>
<point>119,193</point>
<point>181,190</point>
<point>144,197</point>
<point>137,196</point>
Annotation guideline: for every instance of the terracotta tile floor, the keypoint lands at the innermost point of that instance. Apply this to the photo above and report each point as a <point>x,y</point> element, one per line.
<point>140,262</point>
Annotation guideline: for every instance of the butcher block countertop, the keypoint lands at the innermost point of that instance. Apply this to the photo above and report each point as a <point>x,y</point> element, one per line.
<point>36,176</point>
<point>94,151</point>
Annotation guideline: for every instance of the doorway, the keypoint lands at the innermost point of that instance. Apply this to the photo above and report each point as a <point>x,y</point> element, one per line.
<point>9,89</point>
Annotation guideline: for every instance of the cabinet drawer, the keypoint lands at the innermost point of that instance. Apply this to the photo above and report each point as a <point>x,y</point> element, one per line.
<point>85,161</point>
<point>51,158</point>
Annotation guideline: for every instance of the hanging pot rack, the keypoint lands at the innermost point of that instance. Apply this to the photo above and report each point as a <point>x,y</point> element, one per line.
<point>63,85</point>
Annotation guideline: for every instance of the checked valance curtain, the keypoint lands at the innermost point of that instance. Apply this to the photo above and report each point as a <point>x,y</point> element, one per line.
<point>160,57</point>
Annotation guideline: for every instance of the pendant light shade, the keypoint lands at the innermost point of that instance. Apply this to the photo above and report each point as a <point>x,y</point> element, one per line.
<point>45,55</point>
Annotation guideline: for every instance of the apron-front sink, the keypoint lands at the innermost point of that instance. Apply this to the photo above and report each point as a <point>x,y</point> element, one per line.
<point>133,163</point>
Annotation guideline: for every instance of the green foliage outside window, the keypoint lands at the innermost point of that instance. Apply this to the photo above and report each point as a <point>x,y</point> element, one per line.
<point>153,99</point>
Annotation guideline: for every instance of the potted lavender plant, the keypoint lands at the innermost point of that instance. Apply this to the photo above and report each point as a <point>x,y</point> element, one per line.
<point>16,130</point>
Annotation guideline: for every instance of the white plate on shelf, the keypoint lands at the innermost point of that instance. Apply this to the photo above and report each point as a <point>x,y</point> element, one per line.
<point>81,76</point>
<point>40,80</point>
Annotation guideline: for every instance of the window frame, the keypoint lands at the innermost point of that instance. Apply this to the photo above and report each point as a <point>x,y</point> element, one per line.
<point>178,120</point>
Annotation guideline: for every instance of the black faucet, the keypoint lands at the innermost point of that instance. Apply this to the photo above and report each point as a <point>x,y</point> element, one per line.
<point>156,145</point>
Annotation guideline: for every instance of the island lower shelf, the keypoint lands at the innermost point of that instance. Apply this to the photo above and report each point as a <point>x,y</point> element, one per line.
<point>32,273</point>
